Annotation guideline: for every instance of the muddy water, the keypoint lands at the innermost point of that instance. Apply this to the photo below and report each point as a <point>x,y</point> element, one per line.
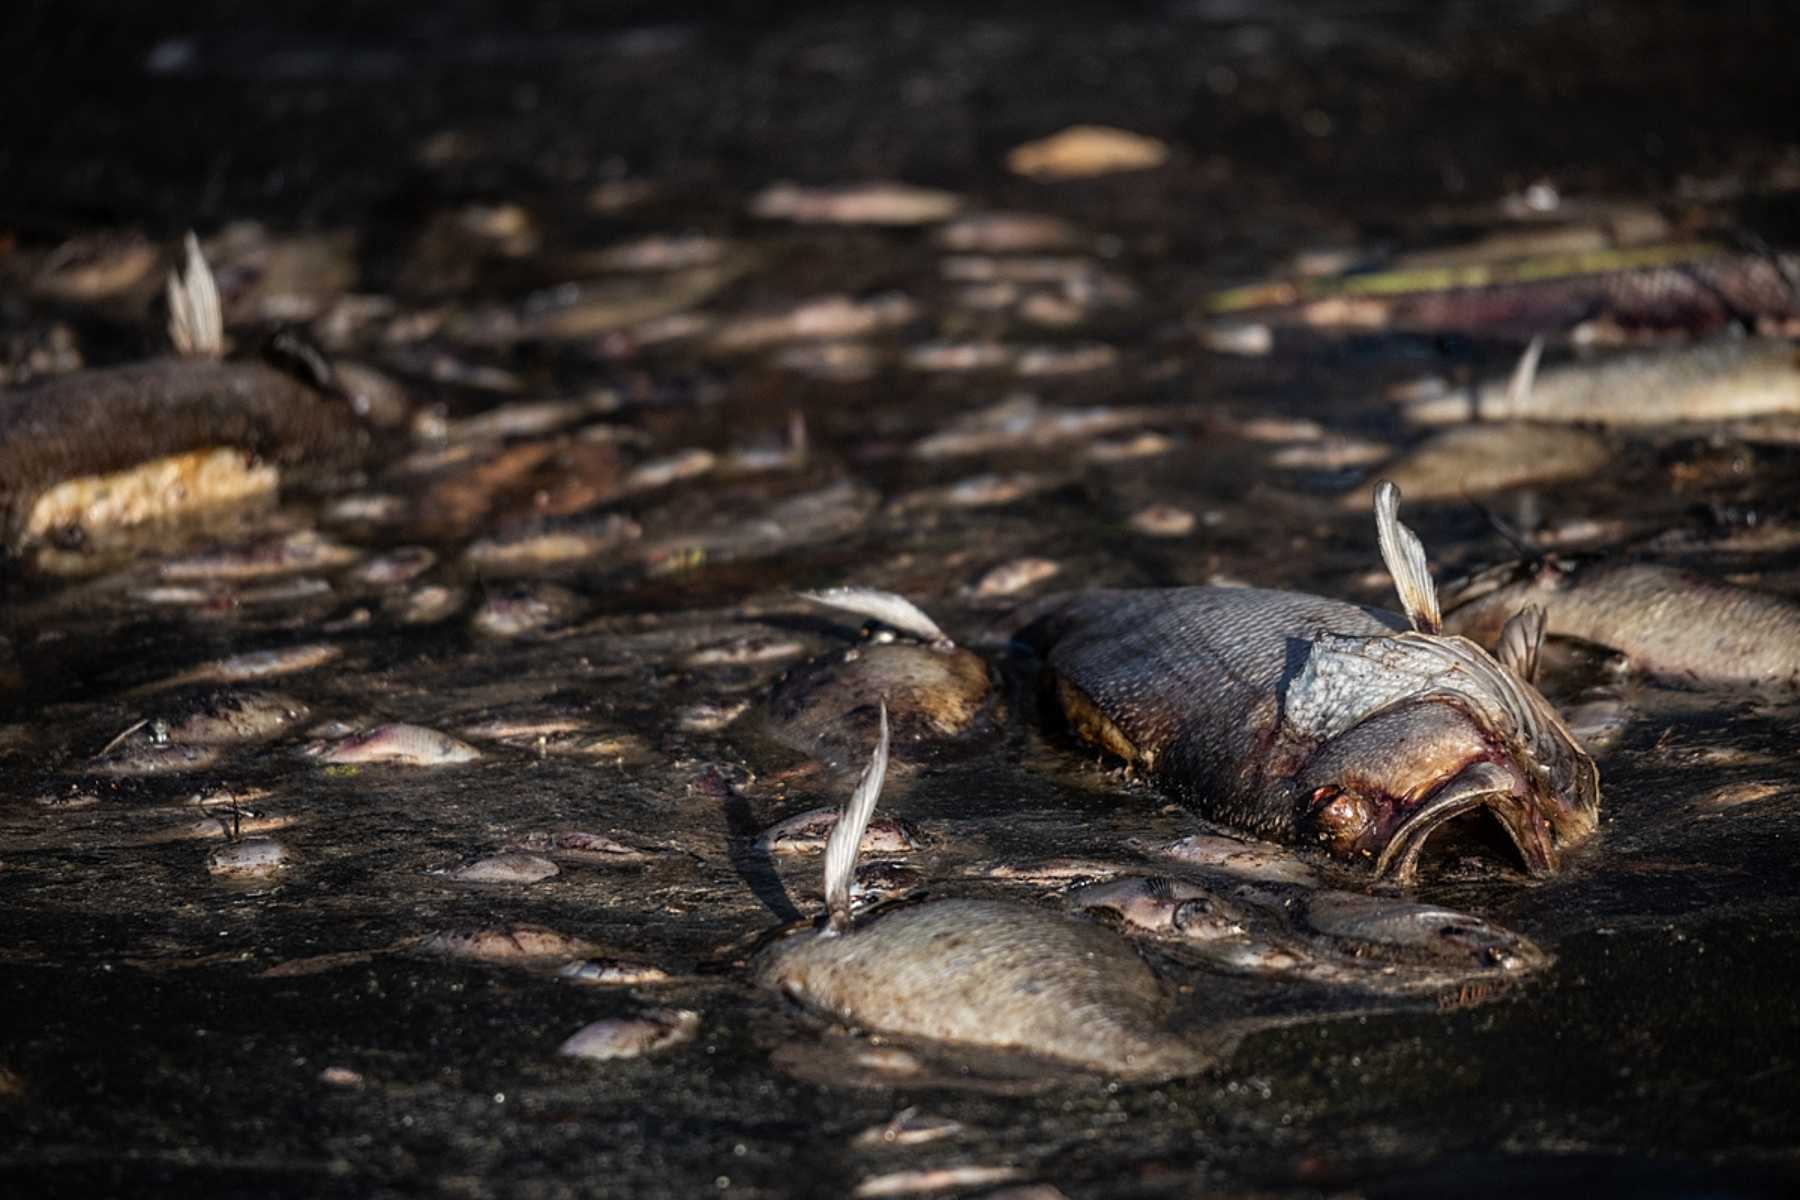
<point>742,400</point>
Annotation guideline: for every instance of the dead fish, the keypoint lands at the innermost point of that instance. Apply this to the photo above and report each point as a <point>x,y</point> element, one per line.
<point>632,1037</point>
<point>252,858</point>
<point>808,832</point>
<point>254,664</point>
<point>1473,460</point>
<point>551,543</point>
<point>526,610</point>
<point>150,758</point>
<point>506,944</point>
<point>1720,380</point>
<point>612,972</point>
<point>510,867</point>
<point>1665,621</point>
<point>933,690</point>
<point>1690,285</point>
<point>120,446</point>
<point>1300,719</point>
<point>232,718</point>
<point>404,745</point>
<point>976,972</point>
<point>302,550</point>
<point>398,566</point>
<point>1231,857</point>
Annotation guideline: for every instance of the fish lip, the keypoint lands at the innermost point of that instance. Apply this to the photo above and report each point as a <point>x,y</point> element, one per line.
<point>1480,785</point>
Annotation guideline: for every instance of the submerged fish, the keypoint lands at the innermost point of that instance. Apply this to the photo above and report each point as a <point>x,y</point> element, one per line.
<point>1664,621</point>
<point>1720,380</point>
<point>1302,719</point>
<point>977,972</point>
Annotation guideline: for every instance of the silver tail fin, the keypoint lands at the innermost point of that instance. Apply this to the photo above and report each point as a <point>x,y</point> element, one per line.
<point>1404,555</point>
<point>846,835</point>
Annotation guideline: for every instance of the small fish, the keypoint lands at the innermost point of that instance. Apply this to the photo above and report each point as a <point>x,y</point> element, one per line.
<point>1473,460</point>
<point>1666,622</point>
<point>510,867</point>
<point>976,972</point>
<point>651,1031</point>
<point>1300,719</point>
<point>405,745</point>
<point>252,858</point>
<point>1720,380</point>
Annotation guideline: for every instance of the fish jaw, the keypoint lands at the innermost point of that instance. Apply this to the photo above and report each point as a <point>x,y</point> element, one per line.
<point>1380,790</point>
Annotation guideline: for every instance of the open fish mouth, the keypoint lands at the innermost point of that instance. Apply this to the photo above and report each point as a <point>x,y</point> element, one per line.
<point>1480,785</point>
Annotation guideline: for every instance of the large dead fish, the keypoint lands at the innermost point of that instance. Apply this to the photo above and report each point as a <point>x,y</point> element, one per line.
<point>120,446</point>
<point>1665,621</point>
<point>1721,380</point>
<point>1301,719</point>
<point>983,973</point>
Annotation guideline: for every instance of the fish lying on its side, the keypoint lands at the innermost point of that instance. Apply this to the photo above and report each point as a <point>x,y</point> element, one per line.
<point>1306,720</point>
<point>1721,380</point>
<point>1665,621</point>
<point>118,446</point>
<point>984,973</point>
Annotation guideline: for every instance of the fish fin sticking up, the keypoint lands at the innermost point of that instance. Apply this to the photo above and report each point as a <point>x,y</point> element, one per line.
<point>1524,376</point>
<point>886,607</point>
<point>846,835</point>
<point>196,320</point>
<point>1520,640</point>
<point>1404,555</point>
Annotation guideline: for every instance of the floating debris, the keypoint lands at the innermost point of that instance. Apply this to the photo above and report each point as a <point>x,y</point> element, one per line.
<point>1665,621</point>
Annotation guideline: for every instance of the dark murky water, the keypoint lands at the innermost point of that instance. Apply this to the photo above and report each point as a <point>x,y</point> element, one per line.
<point>425,181</point>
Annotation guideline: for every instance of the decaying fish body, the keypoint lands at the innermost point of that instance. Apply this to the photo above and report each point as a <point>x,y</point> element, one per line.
<point>1687,285</point>
<point>1302,719</point>
<point>984,973</point>
<point>121,446</point>
<point>1665,621</point>
<point>1721,380</point>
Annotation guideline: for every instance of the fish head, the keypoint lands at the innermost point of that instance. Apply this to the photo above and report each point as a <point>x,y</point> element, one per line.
<point>1416,730</point>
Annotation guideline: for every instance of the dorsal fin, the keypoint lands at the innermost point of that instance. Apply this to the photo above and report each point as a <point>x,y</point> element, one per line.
<point>1404,555</point>
<point>1520,639</point>
<point>846,835</point>
<point>196,320</point>
<point>1522,379</point>
<point>886,607</point>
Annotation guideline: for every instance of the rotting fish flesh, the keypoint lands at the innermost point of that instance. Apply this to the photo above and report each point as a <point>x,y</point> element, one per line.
<point>1301,719</point>
<point>1721,380</point>
<point>982,973</point>
<point>1665,621</point>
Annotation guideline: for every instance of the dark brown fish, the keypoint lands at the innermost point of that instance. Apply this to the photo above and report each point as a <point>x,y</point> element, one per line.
<point>1302,719</point>
<point>1665,621</point>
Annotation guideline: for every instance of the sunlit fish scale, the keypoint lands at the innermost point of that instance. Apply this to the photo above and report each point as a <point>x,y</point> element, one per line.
<point>1300,719</point>
<point>1665,621</point>
<point>1721,380</point>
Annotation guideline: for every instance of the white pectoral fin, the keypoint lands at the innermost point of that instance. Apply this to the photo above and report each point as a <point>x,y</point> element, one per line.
<point>846,835</point>
<point>1520,640</point>
<point>196,318</point>
<point>887,607</point>
<point>1404,555</point>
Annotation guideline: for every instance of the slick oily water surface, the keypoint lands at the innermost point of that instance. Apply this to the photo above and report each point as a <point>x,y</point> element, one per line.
<point>461,610</point>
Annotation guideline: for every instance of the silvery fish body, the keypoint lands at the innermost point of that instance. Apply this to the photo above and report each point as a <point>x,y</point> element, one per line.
<point>1307,720</point>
